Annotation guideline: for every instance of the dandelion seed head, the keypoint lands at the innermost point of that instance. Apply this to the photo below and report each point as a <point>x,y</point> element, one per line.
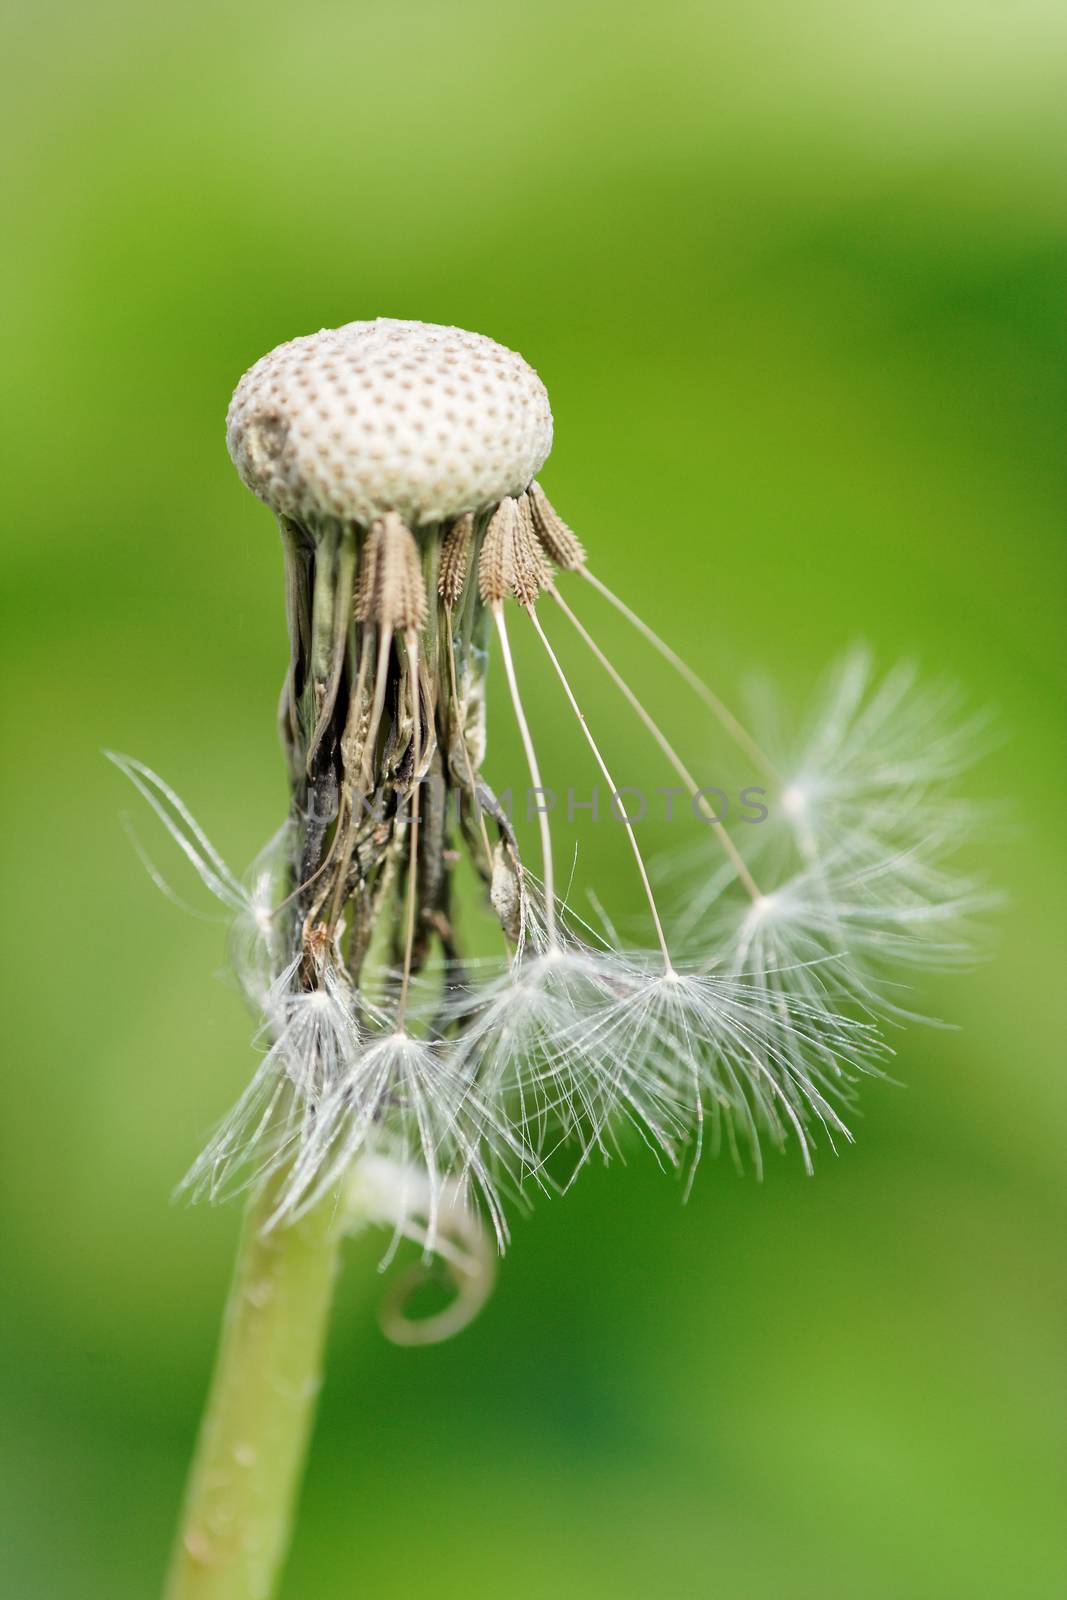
<point>400,1069</point>
<point>353,422</point>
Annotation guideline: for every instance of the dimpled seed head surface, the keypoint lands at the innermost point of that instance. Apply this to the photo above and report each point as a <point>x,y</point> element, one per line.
<point>382,416</point>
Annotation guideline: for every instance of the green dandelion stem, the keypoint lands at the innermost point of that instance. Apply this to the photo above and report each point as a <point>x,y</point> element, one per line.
<point>246,1472</point>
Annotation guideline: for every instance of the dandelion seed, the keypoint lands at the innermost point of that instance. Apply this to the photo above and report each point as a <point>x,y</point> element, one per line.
<point>863,844</point>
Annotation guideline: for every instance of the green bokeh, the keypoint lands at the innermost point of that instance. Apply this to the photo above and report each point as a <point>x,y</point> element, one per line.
<point>794,277</point>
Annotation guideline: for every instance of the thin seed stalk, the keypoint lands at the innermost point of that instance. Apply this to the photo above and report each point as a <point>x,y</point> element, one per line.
<point>245,1476</point>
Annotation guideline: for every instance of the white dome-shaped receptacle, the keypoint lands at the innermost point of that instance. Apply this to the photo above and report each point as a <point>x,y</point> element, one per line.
<point>384,416</point>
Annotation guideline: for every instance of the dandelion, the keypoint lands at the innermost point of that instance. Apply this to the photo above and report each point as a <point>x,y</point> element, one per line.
<point>407,1081</point>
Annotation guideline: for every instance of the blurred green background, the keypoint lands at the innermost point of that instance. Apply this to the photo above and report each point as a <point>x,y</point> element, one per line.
<point>794,275</point>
